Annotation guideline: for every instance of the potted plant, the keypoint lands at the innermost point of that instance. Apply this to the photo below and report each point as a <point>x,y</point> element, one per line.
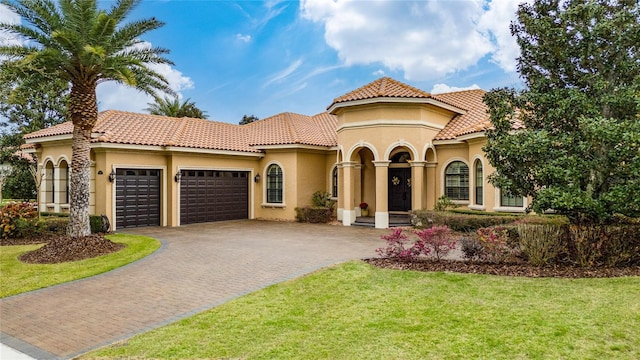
<point>364,209</point>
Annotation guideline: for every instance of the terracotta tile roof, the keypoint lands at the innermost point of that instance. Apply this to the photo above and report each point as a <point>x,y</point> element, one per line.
<point>119,127</point>
<point>290,128</point>
<point>474,120</point>
<point>61,129</point>
<point>383,87</point>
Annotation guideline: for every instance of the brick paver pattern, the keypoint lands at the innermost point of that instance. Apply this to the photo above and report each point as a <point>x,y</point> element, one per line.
<point>199,267</point>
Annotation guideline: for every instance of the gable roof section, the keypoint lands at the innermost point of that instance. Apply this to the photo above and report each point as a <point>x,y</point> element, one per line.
<point>476,118</point>
<point>290,128</point>
<point>384,87</point>
<point>120,127</point>
<point>389,90</point>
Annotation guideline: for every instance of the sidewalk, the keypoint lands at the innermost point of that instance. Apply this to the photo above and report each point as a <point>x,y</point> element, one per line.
<point>9,353</point>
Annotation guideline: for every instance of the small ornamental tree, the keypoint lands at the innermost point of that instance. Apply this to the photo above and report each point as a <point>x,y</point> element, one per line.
<point>571,139</point>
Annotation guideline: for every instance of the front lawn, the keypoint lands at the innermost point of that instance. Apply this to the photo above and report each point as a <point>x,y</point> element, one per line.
<point>19,277</point>
<point>356,311</point>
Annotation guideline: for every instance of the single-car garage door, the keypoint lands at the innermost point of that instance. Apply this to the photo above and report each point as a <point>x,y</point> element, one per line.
<point>137,197</point>
<point>210,195</point>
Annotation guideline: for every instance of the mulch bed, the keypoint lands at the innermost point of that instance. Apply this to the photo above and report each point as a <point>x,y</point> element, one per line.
<point>59,249</point>
<point>556,271</point>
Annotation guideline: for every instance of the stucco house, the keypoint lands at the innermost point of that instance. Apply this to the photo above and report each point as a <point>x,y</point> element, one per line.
<point>388,144</point>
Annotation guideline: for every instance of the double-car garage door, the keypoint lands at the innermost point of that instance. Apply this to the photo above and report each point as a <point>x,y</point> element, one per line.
<point>205,195</point>
<point>210,195</point>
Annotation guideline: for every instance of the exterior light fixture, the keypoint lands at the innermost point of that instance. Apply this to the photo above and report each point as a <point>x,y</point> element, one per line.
<point>178,176</point>
<point>257,178</point>
<point>112,176</point>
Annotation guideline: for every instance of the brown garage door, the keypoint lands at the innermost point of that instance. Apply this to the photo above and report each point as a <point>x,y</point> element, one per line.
<point>137,197</point>
<point>209,195</point>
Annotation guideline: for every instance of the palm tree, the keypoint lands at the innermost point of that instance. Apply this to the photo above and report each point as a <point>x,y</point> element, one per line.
<point>84,46</point>
<point>174,108</point>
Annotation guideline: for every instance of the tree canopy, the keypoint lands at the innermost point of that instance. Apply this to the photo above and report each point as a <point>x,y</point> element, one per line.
<point>82,45</point>
<point>174,108</point>
<point>579,150</point>
<point>248,119</point>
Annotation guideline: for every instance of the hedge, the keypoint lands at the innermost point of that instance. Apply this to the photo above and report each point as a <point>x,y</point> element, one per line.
<point>314,214</point>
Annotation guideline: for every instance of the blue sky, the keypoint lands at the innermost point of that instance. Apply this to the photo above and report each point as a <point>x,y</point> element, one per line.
<point>265,57</point>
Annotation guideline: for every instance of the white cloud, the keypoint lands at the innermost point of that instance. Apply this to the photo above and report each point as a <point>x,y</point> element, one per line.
<point>243,38</point>
<point>425,39</point>
<point>444,88</point>
<point>284,73</point>
<point>495,24</point>
<point>379,72</point>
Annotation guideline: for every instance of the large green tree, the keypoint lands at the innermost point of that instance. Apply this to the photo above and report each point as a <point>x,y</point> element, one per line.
<point>571,138</point>
<point>173,107</point>
<point>84,46</point>
<point>28,102</point>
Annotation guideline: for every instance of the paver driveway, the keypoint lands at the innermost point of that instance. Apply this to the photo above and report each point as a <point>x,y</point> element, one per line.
<point>198,267</point>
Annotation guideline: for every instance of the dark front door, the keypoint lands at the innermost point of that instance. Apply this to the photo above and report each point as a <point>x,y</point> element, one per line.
<point>209,195</point>
<point>399,189</point>
<point>137,197</point>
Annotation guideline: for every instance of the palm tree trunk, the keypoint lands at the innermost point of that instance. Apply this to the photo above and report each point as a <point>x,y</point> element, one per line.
<point>83,108</point>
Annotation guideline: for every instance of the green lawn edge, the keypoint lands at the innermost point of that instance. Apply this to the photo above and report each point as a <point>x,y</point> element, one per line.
<point>356,311</point>
<point>19,277</point>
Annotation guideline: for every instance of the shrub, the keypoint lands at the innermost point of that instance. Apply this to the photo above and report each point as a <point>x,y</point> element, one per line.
<point>53,214</point>
<point>471,248</point>
<point>610,245</point>
<point>10,213</point>
<point>459,222</point>
<point>99,224</point>
<point>314,214</point>
<point>396,246</point>
<point>56,225</point>
<point>542,244</point>
<point>436,240</point>
<point>495,244</point>
<point>26,228</point>
<point>443,203</point>
<point>322,199</point>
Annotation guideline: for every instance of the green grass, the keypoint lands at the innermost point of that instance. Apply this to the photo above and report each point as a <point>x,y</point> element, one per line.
<point>18,277</point>
<point>355,311</point>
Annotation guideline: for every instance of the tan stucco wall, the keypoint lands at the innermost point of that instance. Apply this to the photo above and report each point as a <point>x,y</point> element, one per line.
<point>56,152</point>
<point>427,114</point>
<point>475,152</point>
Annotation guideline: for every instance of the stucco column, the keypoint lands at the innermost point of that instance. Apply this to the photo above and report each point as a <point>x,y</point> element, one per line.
<point>432,194</point>
<point>357,189</point>
<point>417,184</point>
<point>382,193</point>
<point>348,214</point>
<point>340,203</point>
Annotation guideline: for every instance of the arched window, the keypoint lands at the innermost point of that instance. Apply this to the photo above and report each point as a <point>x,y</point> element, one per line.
<point>334,182</point>
<point>64,182</point>
<point>274,184</point>
<point>456,181</point>
<point>479,182</point>
<point>49,183</point>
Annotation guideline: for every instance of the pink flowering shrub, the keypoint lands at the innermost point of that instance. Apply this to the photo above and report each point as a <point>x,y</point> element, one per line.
<point>436,240</point>
<point>494,242</point>
<point>397,246</point>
